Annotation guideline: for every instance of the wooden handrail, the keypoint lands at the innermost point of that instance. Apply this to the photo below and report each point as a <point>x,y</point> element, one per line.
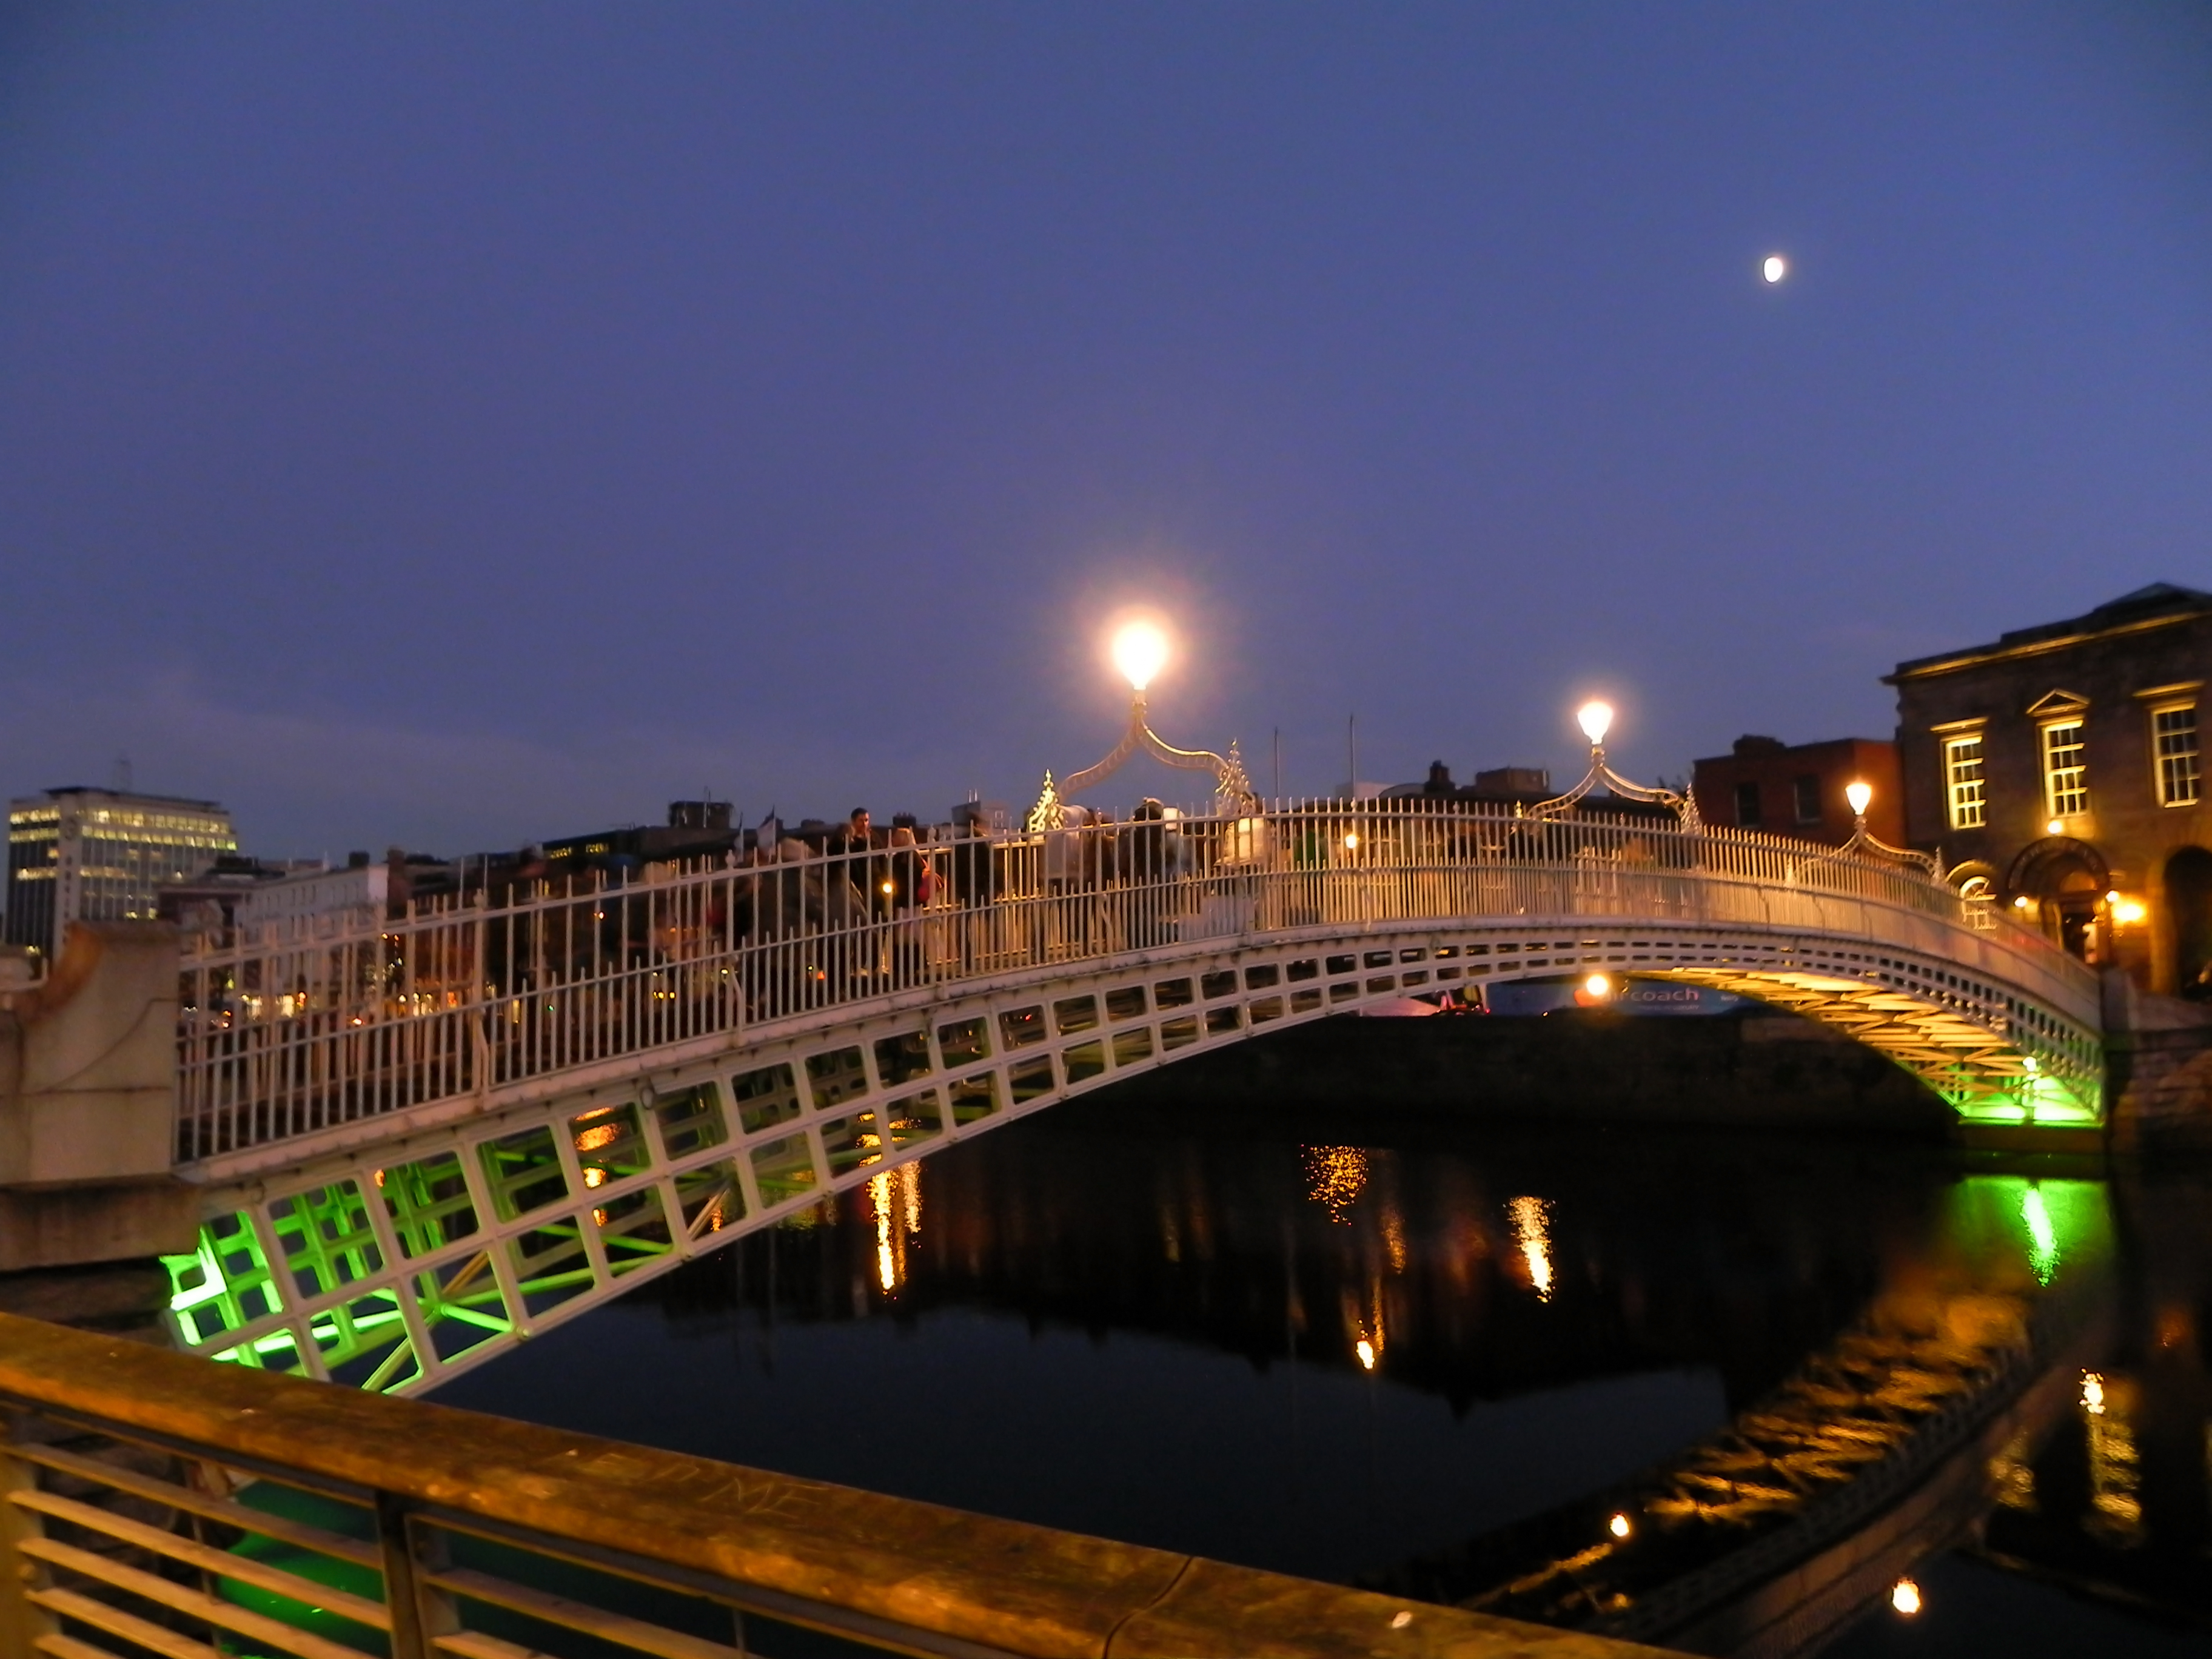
<point>912,1577</point>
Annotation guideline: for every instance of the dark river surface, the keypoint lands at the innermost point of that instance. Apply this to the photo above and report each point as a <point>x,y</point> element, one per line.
<point>1330,1346</point>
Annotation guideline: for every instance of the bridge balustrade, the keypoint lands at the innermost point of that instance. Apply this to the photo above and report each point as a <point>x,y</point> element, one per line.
<point>154,1506</point>
<point>302,1026</point>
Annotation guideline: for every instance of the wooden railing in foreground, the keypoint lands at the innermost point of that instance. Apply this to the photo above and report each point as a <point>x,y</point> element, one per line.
<point>130,1476</point>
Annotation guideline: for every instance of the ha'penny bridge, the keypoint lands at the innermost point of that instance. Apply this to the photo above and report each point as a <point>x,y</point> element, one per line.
<point>416,1140</point>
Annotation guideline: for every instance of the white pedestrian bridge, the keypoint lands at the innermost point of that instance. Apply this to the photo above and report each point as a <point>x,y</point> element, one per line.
<point>421,1140</point>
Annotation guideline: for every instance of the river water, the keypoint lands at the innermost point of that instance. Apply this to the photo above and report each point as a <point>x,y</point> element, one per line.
<point>1334,1345</point>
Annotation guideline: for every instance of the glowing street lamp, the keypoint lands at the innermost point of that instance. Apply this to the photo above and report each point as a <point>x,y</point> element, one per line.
<point>1139,650</point>
<point>1860,793</point>
<point>1595,719</point>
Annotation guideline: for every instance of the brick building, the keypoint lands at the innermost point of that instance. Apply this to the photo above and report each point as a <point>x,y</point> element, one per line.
<point>2061,766</point>
<point>1797,789</point>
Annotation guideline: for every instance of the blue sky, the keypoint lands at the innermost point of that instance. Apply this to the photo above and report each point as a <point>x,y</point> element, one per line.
<point>456,426</point>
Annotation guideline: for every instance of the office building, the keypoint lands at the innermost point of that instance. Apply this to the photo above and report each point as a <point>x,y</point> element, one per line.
<point>82,855</point>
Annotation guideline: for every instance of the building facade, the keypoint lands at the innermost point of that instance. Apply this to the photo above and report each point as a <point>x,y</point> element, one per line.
<point>80,855</point>
<point>359,888</point>
<point>2060,769</point>
<point>1797,789</point>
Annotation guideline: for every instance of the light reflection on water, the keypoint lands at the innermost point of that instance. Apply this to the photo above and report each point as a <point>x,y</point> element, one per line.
<point>1309,1355</point>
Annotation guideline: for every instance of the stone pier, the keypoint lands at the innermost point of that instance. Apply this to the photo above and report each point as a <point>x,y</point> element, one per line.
<point>89,1100</point>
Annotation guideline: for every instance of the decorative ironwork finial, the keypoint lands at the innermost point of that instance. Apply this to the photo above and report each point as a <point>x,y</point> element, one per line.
<point>1046,814</point>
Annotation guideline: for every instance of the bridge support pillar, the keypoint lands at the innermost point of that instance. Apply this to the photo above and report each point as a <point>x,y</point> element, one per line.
<point>2158,1063</point>
<point>88,1102</point>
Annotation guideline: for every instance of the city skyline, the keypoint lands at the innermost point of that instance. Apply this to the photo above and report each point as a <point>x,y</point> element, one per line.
<point>456,429</point>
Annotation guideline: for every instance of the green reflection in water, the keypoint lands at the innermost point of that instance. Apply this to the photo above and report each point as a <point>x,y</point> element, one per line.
<point>2043,1237</point>
<point>2003,1223</point>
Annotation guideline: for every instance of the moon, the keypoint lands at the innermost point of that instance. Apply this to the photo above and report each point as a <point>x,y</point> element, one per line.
<point>1775,269</point>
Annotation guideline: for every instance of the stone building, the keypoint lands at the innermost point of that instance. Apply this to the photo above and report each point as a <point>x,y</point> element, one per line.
<point>2060,768</point>
<point>1797,789</point>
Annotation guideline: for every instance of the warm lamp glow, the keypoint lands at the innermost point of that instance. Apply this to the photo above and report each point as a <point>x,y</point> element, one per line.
<point>1365,1350</point>
<point>1596,719</point>
<point>1904,1596</point>
<point>1598,986</point>
<point>1858,792</point>
<point>1140,651</point>
<point>2056,826</point>
<point>1620,1526</point>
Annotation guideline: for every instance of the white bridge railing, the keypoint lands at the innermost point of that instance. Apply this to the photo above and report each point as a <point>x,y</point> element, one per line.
<point>304,1026</point>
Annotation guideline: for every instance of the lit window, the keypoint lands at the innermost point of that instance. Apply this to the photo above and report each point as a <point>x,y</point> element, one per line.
<point>2174,732</point>
<point>1747,805</point>
<point>2065,769</point>
<point>1964,784</point>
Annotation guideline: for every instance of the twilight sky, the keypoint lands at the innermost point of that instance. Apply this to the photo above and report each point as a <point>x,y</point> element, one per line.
<point>459,425</point>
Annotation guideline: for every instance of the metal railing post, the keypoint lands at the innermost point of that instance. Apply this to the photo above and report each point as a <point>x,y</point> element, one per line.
<point>419,1611</point>
<point>23,1622</point>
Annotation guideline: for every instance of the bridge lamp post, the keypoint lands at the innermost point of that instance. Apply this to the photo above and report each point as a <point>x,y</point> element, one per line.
<point>1595,719</point>
<point>1139,650</point>
<point>1860,793</point>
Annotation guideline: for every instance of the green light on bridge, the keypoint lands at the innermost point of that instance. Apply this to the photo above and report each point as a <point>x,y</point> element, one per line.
<point>2037,1098</point>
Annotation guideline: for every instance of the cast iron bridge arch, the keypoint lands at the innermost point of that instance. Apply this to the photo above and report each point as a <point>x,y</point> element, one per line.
<point>420,1140</point>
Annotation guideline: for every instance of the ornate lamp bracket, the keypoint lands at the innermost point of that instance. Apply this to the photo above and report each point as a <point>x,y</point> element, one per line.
<point>1865,844</point>
<point>1230,783</point>
<point>1600,773</point>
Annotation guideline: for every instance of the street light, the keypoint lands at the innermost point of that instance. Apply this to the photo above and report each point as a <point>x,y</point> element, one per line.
<point>1139,651</point>
<point>1860,793</point>
<point>1595,719</point>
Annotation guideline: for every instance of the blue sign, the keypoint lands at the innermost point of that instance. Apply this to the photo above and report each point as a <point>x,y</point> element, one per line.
<point>1662,998</point>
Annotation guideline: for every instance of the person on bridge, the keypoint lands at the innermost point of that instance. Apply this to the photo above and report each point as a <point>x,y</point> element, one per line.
<point>972,869</point>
